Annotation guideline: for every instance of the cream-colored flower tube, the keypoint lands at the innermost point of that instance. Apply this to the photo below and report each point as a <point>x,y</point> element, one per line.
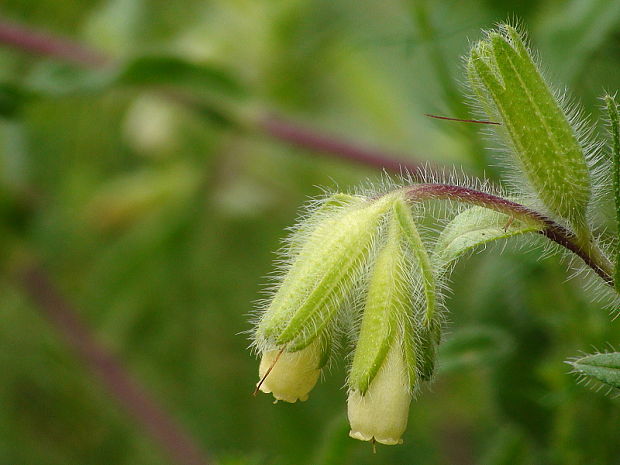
<point>381,413</point>
<point>293,375</point>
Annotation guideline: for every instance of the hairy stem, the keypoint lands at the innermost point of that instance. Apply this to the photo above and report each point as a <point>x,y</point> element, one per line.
<point>130,395</point>
<point>591,255</point>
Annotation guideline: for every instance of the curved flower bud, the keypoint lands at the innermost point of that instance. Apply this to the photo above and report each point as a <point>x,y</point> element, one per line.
<point>290,376</point>
<point>547,146</point>
<point>328,257</point>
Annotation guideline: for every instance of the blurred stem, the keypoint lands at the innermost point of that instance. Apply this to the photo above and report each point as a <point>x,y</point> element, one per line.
<point>426,32</point>
<point>305,137</point>
<point>44,44</point>
<point>131,397</point>
<point>279,128</point>
<point>452,97</point>
<point>591,255</point>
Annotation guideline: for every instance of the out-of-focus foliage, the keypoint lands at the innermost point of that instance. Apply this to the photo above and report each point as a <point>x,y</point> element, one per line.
<point>157,213</point>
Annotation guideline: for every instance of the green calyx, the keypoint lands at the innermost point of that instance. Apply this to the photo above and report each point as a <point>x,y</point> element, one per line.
<point>512,91</point>
<point>400,278</point>
<point>330,255</point>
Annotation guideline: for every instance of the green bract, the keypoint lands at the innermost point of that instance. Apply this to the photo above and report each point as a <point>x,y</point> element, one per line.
<point>512,91</point>
<point>614,129</point>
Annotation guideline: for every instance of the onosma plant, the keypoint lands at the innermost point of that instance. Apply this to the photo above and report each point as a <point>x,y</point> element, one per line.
<point>361,266</point>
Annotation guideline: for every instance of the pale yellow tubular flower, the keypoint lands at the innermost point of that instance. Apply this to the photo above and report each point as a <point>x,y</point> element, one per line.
<point>293,374</point>
<point>381,413</point>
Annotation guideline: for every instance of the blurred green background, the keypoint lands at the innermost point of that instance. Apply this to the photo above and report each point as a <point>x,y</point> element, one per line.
<point>155,202</point>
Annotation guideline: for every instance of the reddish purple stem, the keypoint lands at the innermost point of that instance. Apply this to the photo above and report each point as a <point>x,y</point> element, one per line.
<point>552,230</point>
<point>40,43</point>
<point>335,147</point>
<point>132,397</point>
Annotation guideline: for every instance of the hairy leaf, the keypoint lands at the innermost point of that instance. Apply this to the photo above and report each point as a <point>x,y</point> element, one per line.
<point>472,228</point>
<point>604,368</point>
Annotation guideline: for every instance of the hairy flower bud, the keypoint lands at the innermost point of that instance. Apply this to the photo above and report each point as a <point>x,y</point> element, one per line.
<point>512,90</point>
<point>328,257</point>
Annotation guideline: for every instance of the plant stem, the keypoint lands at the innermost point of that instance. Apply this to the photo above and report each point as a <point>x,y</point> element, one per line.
<point>591,256</point>
<point>25,39</point>
<point>132,397</point>
<point>301,136</point>
<point>39,43</point>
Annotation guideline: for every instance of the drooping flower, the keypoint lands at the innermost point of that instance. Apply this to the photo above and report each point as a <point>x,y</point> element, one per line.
<point>329,255</point>
<point>386,366</point>
<point>370,246</point>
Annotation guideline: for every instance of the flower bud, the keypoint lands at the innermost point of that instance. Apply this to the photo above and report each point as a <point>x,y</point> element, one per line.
<point>512,90</point>
<point>290,376</point>
<point>381,412</point>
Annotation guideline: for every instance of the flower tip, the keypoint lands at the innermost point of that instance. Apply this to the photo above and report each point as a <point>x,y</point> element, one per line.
<point>388,441</point>
<point>281,395</point>
<point>378,417</point>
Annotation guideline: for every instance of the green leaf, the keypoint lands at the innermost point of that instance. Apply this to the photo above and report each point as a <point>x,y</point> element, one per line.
<point>603,368</point>
<point>57,79</point>
<point>473,347</point>
<point>49,79</point>
<point>207,89</point>
<point>474,227</point>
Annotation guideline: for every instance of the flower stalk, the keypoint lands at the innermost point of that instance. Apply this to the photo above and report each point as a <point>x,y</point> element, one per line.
<point>591,255</point>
